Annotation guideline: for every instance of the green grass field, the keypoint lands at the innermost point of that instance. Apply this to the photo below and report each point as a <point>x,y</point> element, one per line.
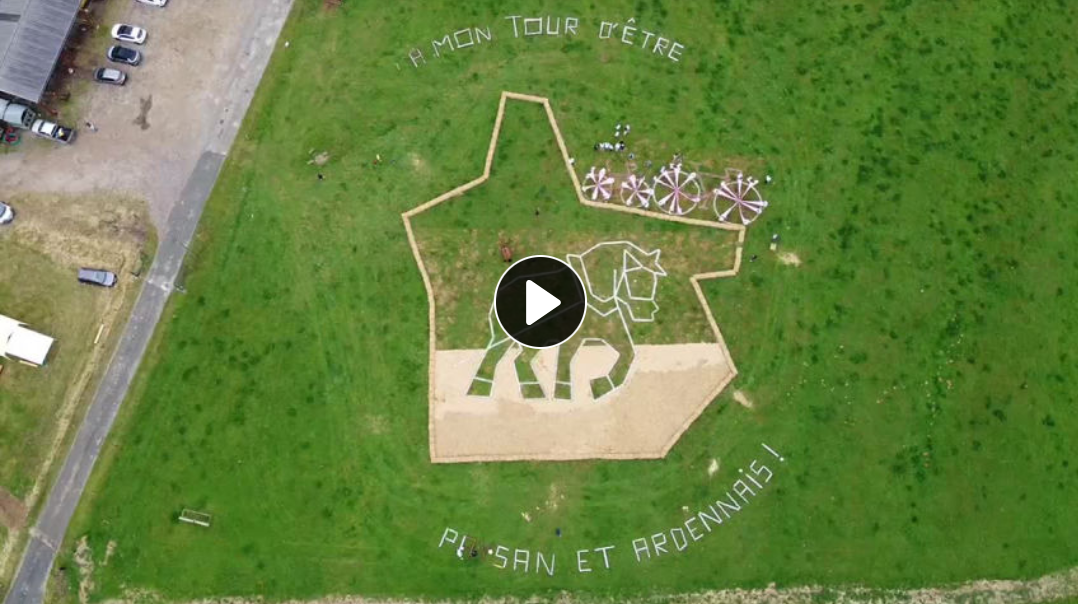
<point>917,370</point>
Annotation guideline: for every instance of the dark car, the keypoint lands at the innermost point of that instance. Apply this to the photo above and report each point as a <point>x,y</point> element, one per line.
<point>108,75</point>
<point>122,54</point>
<point>96,276</point>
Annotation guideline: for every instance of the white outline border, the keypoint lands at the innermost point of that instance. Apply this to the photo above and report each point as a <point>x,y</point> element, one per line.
<point>695,279</point>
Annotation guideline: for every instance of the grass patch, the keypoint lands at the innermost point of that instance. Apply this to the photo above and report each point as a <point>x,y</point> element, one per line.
<point>50,238</point>
<point>48,299</point>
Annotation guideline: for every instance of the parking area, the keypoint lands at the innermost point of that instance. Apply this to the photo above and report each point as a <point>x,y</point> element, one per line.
<point>149,133</point>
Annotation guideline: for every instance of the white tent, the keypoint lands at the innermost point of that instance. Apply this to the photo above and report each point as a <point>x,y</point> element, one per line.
<point>18,342</point>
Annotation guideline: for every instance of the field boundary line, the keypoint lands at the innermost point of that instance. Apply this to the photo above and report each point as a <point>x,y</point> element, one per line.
<point>1048,588</point>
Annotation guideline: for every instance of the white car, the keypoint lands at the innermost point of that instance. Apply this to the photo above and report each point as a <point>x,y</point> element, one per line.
<point>6,213</point>
<point>56,132</point>
<point>128,33</point>
<point>157,3</point>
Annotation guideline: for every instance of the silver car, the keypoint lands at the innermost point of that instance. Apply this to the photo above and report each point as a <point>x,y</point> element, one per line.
<point>97,276</point>
<point>108,75</point>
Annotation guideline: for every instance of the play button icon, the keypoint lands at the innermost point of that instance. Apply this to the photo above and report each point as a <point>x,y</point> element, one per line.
<point>540,302</point>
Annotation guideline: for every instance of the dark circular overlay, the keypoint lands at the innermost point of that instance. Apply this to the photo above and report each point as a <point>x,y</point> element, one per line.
<point>559,280</point>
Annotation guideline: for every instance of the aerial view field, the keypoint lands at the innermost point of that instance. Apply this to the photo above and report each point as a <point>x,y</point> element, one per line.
<point>901,315</point>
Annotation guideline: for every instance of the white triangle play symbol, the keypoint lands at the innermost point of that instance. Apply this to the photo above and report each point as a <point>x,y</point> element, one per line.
<point>537,302</point>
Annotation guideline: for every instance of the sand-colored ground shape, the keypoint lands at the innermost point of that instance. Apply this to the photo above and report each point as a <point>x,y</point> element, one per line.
<point>444,434</point>
<point>667,388</point>
<point>742,399</point>
<point>12,511</point>
<point>789,259</point>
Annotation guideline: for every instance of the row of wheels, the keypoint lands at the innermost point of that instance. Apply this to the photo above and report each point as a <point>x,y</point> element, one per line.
<point>677,191</point>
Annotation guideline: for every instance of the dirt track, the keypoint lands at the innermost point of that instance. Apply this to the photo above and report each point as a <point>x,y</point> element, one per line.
<point>12,511</point>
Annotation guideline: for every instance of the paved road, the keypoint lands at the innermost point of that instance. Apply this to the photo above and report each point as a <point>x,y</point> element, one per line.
<point>48,534</point>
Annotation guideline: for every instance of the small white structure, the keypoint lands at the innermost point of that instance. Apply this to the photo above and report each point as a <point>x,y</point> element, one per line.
<point>18,342</point>
<point>195,517</point>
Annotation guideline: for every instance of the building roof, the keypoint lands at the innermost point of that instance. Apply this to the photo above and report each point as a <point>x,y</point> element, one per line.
<point>29,346</point>
<point>16,341</point>
<point>32,34</point>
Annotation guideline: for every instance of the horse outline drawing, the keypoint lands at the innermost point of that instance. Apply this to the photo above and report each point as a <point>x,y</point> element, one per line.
<point>629,295</point>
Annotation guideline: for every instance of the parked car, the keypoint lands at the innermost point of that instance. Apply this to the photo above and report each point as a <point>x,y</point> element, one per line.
<point>128,33</point>
<point>157,3</point>
<point>6,213</point>
<point>14,114</point>
<point>49,130</point>
<point>122,54</point>
<point>97,276</point>
<point>108,75</point>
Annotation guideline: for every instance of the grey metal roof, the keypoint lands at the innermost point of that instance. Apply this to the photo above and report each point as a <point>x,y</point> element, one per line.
<point>32,34</point>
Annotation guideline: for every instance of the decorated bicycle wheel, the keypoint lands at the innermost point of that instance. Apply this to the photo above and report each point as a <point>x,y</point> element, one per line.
<point>678,191</point>
<point>636,191</point>
<point>598,184</point>
<point>739,194</point>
